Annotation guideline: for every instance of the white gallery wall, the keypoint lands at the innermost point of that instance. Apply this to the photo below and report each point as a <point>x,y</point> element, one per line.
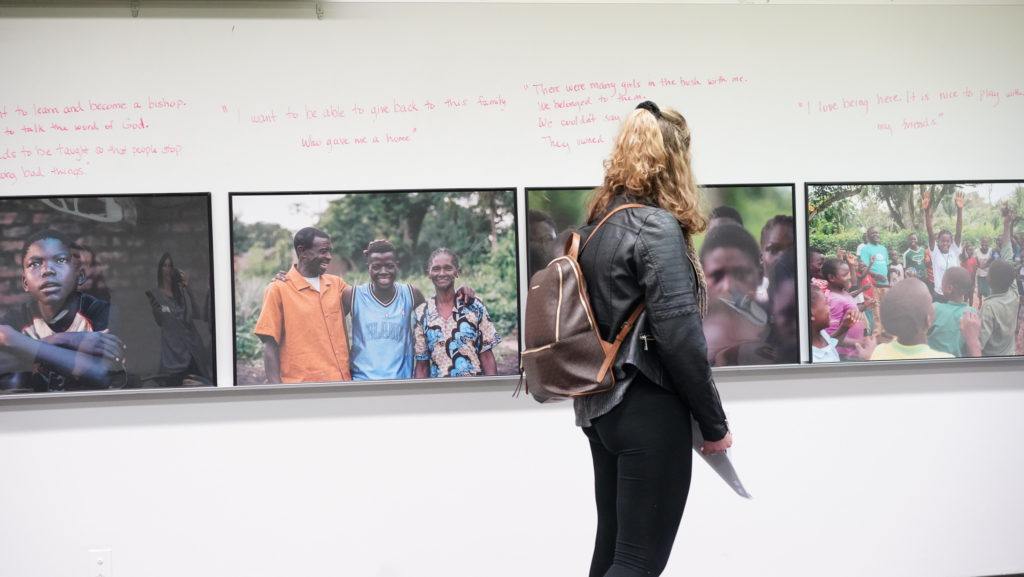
<point>867,470</point>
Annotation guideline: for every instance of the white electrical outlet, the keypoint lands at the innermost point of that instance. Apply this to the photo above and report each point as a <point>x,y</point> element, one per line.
<point>101,563</point>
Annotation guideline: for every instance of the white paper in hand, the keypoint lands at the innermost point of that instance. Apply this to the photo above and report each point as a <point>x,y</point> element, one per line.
<point>720,463</point>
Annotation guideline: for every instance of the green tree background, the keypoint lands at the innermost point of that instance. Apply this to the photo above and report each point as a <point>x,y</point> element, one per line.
<point>839,214</point>
<point>478,225</point>
<point>756,204</point>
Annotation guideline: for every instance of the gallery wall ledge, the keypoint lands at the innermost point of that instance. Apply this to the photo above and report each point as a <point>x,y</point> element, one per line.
<point>326,9</point>
<point>763,382</point>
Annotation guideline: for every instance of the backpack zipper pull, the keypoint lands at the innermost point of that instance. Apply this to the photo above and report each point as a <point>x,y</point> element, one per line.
<point>522,381</point>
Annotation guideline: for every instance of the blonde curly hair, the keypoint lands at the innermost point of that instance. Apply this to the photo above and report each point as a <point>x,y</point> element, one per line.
<point>651,163</point>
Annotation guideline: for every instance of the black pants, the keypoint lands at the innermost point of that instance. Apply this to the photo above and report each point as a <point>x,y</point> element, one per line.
<point>642,452</point>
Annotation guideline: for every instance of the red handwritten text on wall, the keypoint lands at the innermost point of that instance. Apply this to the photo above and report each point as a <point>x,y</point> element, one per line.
<point>43,140</point>
<point>910,110</point>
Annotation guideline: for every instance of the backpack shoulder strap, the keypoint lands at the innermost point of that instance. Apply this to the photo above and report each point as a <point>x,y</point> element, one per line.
<point>611,350</point>
<point>575,243</point>
<point>609,215</point>
<point>573,247</point>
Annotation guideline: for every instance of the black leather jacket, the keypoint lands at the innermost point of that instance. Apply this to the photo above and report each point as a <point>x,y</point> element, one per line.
<point>640,255</point>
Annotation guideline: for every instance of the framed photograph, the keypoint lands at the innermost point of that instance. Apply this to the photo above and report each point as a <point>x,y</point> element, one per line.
<point>748,255</point>
<point>106,292</point>
<point>915,270</point>
<point>374,285</point>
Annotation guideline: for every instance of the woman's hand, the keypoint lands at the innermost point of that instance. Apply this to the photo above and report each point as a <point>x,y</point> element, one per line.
<point>465,295</point>
<point>157,307</point>
<point>715,447</point>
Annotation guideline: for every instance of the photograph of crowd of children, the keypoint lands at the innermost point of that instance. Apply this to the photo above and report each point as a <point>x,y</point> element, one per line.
<point>915,271</point>
<point>336,287</point>
<point>105,292</point>
<point>749,259</point>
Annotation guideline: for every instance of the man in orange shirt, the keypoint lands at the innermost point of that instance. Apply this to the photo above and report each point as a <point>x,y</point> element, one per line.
<point>301,324</point>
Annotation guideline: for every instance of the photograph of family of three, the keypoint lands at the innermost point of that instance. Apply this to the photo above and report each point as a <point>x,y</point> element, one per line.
<point>334,287</point>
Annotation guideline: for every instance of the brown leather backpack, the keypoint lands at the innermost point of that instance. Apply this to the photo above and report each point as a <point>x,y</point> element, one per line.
<point>564,354</point>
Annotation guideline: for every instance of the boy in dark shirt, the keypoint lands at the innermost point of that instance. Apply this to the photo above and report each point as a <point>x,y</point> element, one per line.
<point>59,315</point>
